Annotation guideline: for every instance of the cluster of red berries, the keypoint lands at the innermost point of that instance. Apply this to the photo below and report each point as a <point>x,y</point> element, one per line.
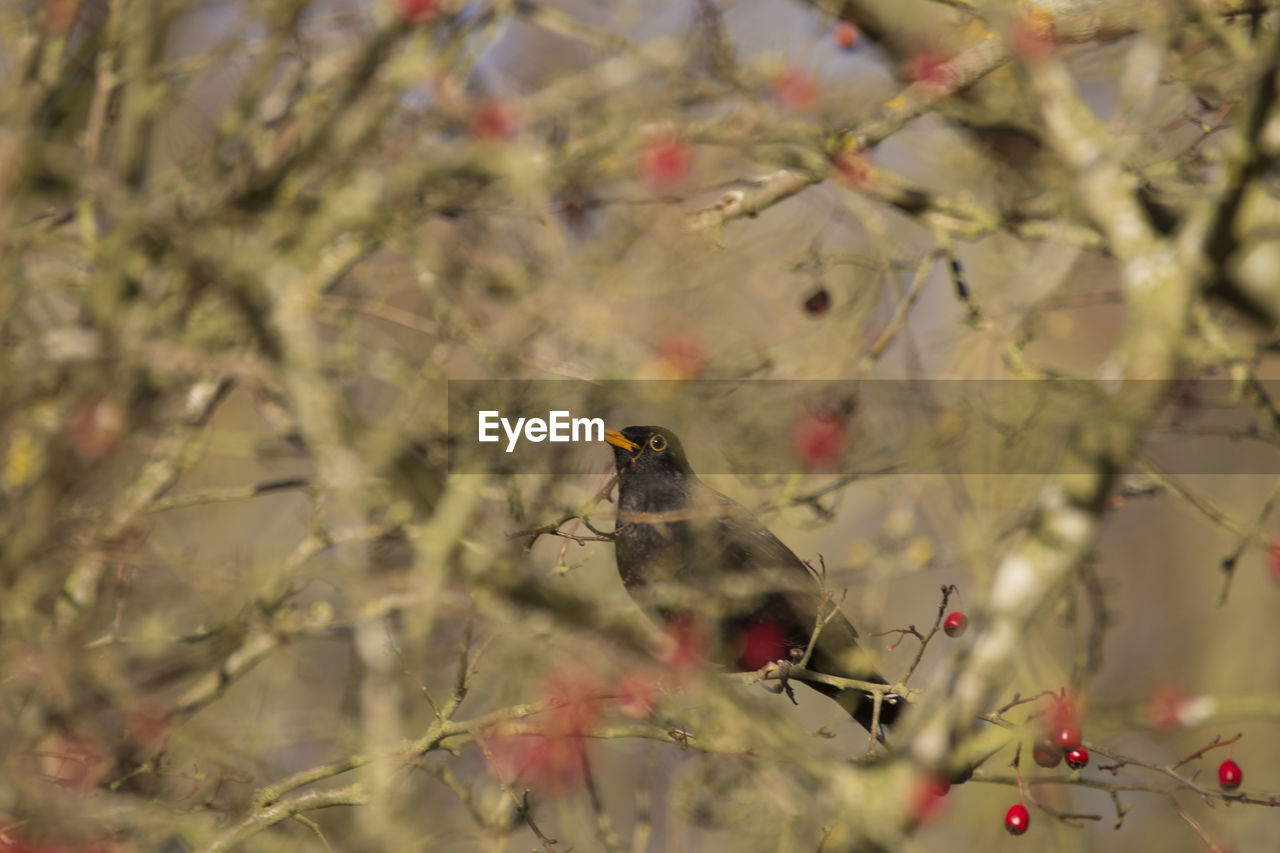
<point>1062,736</point>
<point>1048,755</point>
<point>1061,739</point>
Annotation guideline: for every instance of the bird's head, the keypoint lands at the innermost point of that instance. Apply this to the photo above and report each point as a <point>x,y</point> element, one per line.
<point>647,451</point>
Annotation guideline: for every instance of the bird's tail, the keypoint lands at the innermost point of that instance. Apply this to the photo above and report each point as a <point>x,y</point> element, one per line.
<point>838,653</point>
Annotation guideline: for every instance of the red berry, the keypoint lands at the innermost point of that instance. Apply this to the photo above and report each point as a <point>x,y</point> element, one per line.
<point>932,70</point>
<point>637,693</point>
<point>846,34</point>
<point>665,161</point>
<point>1046,754</point>
<point>1017,819</point>
<point>1273,560</point>
<point>818,441</point>
<point>573,696</point>
<point>1067,738</point>
<point>927,798</point>
<point>817,302</point>
<point>796,90</point>
<point>418,11</point>
<point>1077,758</point>
<point>1062,721</point>
<point>1166,706</point>
<point>493,121</point>
<point>956,623</point>
<point>1229,775</point>
<point>684,644</point>
<point>682,355</point>
<point>550,761</point>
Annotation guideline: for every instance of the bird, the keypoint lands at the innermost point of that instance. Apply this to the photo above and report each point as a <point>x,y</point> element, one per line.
<point>687,552</point>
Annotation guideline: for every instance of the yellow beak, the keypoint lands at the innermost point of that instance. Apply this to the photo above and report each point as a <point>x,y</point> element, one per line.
<point>617,439</point>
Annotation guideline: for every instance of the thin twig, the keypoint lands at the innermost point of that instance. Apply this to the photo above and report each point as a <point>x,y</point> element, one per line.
<point>937,625</point>
<point>1216,743</point>
<point>900,314</point>
<point>521,803</point>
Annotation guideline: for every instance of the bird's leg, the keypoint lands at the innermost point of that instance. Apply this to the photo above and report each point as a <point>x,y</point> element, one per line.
<point>780,670</point>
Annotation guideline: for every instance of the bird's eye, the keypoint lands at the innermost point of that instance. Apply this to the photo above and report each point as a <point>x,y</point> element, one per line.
<point>657,444</point>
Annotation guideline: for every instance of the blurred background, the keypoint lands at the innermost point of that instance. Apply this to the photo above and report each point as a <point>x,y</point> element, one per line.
<point>249,599</point>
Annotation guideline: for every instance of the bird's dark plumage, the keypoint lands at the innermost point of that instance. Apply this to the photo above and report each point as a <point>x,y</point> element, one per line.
<point>685,550</point>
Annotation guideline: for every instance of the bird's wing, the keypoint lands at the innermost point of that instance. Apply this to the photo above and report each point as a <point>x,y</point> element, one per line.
<point>748,544</point>
<point>794,604</point>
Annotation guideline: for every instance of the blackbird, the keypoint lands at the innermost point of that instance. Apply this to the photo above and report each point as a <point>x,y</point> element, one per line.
<point>691,556</point>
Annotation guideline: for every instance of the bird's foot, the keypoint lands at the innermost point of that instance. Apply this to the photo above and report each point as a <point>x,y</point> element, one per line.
<point>779,671</point>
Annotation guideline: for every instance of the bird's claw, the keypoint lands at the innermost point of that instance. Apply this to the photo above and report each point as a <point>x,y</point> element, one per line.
<point>779,670</point>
